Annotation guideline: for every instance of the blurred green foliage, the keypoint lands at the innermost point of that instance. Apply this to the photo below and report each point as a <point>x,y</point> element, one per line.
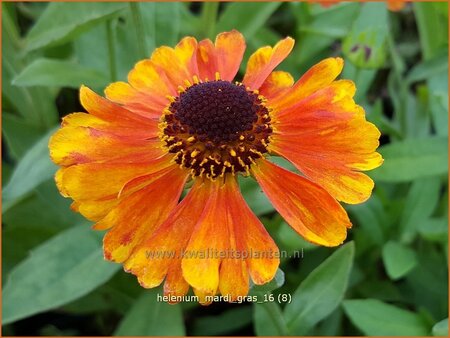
<point>389,279</point>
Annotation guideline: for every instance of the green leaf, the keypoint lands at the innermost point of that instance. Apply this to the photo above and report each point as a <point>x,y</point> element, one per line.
<point>168,23</point>
<point>251,16</point>
<point>62,22</point>
<point>429,68</point>
<point>227,322</point>
<point>321,292</point>
<point>421,201</point>
<point>375,318</point>
<point>19,134</point>
<point>33,169</point>
<point>434,229</point>
<point>441,328</point>
<point>60,270</point>
<point>365,46</point>
<point>275,283</point>
<point>151,317</point>
<point>57,73</point>
<point>432,27</point>
<point>411,159</point>
<point>268,319</point>
<point>398,259</point>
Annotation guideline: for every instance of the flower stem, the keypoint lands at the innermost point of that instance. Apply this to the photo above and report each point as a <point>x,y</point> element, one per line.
<point>138,24</point>
<point>111,51</point>
<point>210,10</point>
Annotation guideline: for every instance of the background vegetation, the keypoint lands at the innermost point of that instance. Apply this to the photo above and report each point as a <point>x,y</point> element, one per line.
<point>389,279</point>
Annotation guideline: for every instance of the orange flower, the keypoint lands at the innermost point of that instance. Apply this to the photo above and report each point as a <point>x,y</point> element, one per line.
<point>181,118</point>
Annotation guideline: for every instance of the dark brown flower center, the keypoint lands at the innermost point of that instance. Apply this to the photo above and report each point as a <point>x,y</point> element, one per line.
<point>216,127</point>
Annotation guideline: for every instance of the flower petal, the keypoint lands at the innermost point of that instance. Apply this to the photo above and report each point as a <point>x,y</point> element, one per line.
<point>307,207</point>
<point>328,139</point>
<point>206,59</point>
<point>140,213</point>
<point>75,145</point>
<point>92,181</point>
<point>252,239</point>
<point>113,113</point>
<point>317,77</point>
<point>161,251</point>
<point>141,132</point>
<point>277,83</point>
<point>144,104</point>
<point>224,56</point>
<point>151,80</point>
<point>264,60</point>
<point>201,264</point>
<point>229,245</point>
<point>178,64</point>
<point>230,48</point>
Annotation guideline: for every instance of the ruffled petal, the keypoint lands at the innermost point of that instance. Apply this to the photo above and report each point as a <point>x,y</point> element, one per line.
<point>307,207</point>
<point>251,239</point>
<point>264,60</point>
<point>276,84</point>
<point>179,63</point>
<point>328,139</point>
<point>235,248</point>
<point>148,78</point>
<point>139,214</point>
<point>113,113</point>
<point>76,145</point>
<point>230,48</point>
<point>224,56</point>
<point>134,132</point>
<point>206,59</point>
<point>144,104</point>
<point>201,262</point>
<point>95,181</point>
<point>317,77</point>
<point>160,253</point>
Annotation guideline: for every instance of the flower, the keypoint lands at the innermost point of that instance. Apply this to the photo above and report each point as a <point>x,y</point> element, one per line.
<point>392,5</point>
<point>181,118</point>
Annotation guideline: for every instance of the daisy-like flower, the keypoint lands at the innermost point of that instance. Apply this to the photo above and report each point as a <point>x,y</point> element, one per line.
<point>180,118</point>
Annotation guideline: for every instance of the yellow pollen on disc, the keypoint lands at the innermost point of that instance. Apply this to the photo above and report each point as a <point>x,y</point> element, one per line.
<point>214,128</point>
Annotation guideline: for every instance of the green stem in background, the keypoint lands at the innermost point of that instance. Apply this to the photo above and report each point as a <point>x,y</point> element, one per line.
<point>139,25</point>
<point>111,51</point>
<point>210,10</point>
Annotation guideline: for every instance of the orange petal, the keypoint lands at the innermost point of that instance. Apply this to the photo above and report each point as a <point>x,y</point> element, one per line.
<point>264,60</point>
<point>186,51</point>
<point>113,113</point>
<point>145,104</point>
<point>206,59</point>
<point>230,48</point>
<point>277,83</point>
<point>230,245</point>
<point>161,251</point>
<point>317,77</point>
<point>151,80</point>
<point>224,56</point>
<point>307,207</point>
<point>201,265</point>
<point>75,145</point>
<point>140,213</point>
<point>328,139</point>
<point>252,239</point>
<point>134,132</point>
<point>178,63</point>
<point>92,181</point>
<point>175,285</point>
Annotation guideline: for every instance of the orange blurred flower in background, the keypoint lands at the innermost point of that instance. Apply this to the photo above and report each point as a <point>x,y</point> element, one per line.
<point>179,118</point>
<point>393,5</point>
